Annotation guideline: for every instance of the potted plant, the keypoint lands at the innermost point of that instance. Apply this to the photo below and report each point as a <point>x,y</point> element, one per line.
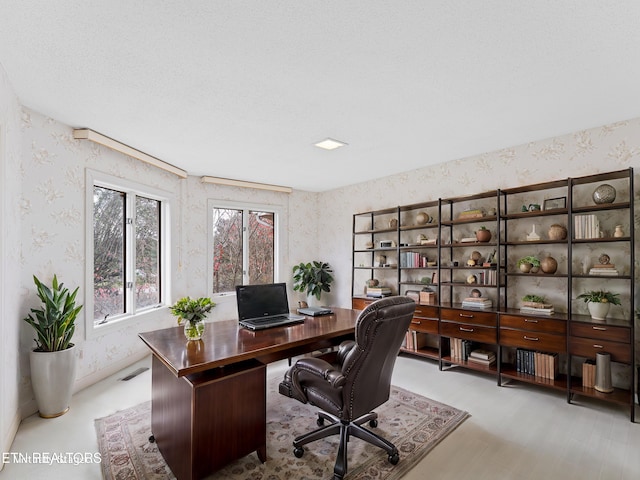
<point>528,264</point>
<point>312,278</point>
<point>53,361</point>
<point>192,311</point>
<point>599,302</point>
<point>483,235</point>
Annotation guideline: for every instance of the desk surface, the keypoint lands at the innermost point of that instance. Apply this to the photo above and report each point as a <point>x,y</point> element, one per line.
<point>226,343</point>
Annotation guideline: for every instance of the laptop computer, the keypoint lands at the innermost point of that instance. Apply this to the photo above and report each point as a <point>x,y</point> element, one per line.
<point>264,306</point>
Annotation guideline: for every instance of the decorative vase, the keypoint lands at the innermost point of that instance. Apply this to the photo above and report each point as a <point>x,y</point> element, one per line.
<point>549,265</point>
<point>603,373</point>
<point>598,310</point>
<point>557,232</point>
<point>605,193</point>
<point>193,330</point>
<point>422,218</point>
<point>525,267</point>
<point>483,235</point>
<point>52,378</point>
<point>372,282</point>
<point>618,232</point>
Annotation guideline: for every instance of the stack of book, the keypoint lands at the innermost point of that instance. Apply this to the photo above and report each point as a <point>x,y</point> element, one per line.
<point>477,302</point>
<point>535,308</point>
<point>378,292</point>
<point>589,374</point>
<point>482,357</point>
<point>539,364</point>
<point>460,349</point>
<point>604,269</point>
<point>414,341</point>
<point>586,226</point>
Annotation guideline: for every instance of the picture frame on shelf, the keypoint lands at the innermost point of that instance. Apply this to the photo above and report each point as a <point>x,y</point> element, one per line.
<point>555,203</point>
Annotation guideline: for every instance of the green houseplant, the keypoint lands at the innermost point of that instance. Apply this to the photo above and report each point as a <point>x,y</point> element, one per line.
<point>53,361</point>
<point>528,264</point>
<point>192,311</point>
<point>313,278</point>
<point>599,302</point>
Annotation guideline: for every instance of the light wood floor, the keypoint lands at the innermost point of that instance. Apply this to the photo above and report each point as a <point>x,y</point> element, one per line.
<point>514,432</point>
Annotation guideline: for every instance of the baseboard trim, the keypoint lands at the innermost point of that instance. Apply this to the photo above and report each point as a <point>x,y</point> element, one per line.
<point>7,441</point>
<point>112,369</point>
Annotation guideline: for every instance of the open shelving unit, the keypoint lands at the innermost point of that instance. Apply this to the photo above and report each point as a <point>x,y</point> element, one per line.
<point>427,246</point>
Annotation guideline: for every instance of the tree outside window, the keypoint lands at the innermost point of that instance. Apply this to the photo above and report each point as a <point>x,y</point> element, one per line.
<point>243,248</point>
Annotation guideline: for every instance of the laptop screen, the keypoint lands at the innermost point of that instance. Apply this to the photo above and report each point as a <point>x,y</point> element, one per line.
<point>257,301</point>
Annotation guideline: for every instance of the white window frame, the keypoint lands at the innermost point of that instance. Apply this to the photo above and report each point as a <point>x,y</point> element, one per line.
<point>131,189</point>
<point>278,241</point>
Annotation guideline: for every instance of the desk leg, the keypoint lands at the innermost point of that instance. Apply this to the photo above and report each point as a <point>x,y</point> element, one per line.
<point>205,421</point>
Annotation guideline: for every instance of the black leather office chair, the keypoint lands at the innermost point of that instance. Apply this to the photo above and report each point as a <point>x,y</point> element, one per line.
<point>360,379</point>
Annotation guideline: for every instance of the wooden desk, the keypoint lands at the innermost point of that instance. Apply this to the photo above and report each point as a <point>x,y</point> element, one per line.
<point>209,397</point>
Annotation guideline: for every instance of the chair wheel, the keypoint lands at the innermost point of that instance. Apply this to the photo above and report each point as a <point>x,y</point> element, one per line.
<point>373,423</point>
<point>394,458</point>
<point>298,452</point>
<point>320,421</point>
<point>152,439</point>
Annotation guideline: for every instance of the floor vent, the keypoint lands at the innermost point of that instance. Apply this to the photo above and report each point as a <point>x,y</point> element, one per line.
<point>135,373</point>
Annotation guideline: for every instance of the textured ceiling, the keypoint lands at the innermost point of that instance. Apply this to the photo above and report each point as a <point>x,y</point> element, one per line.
<point>242,89</point>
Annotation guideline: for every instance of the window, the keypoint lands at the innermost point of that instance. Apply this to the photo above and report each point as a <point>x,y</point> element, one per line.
<point>128,249</point>
<point>243,245</point>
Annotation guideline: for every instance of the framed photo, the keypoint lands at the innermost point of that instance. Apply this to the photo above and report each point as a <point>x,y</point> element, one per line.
<point>553,203</point>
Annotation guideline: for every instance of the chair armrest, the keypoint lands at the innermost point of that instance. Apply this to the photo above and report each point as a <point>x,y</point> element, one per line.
<point>343,350</point>
<point>322,369</point>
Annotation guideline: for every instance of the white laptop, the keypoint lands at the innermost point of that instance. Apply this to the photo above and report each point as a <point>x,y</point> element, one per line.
<point>264,306</point>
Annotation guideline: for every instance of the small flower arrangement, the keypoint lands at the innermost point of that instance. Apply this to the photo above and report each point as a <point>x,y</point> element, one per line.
<point>600,296</point>
<point>192,310</point>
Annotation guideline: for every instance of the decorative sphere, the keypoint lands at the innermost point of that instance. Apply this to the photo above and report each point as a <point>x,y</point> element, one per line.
<point>549,265</point>
<point>422,218</point>
<point>605,193</point>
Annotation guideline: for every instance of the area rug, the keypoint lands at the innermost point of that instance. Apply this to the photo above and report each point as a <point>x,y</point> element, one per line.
<point>415,424</point>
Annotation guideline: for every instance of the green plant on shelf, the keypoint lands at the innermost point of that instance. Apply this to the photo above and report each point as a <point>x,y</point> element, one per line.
<point>600,296</point>
<point>530,259</point>
<point>533,298</point>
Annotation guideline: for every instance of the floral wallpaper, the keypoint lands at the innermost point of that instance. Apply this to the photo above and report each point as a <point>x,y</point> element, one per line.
<point>44,221</point>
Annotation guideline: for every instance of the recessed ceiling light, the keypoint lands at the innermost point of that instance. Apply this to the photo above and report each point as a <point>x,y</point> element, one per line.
<point>330,144</point>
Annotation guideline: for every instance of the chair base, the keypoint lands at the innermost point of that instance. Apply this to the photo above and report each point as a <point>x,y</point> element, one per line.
<point>346,429</point>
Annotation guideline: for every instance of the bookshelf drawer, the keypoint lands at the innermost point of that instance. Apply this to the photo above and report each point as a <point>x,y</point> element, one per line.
<point>360,303</point>
<point>468,332</point>
<point>547,342</point>
<point>532,323</point>
<point>425,325</point>
<point>468,316</point>
<point>586,347</point>
<point>601,332</point>
<point>426,311</point>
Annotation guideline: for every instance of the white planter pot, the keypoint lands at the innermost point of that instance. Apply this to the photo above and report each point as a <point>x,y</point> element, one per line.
<point>52,377</point>
<point>598,310</point>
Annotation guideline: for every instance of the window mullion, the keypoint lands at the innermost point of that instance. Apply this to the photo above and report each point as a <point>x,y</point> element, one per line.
<point>245,247</point>
<point>130,254</point>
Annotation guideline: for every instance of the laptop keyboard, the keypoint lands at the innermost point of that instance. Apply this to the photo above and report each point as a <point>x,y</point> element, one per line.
<point>276,318</point>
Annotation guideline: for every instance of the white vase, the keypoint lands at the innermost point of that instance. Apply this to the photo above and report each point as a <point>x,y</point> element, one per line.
<point>598,310</point>
<point>52,378</point>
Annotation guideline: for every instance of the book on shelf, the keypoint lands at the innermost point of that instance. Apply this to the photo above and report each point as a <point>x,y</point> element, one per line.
<point>539,364</point>
<point>482,354</point>
<point>460,349</point>
<point>480,361</point>
<point>589,374</point>
<point>378,292</point>
<point>586,226</point>
<point>477,302</point>
<point>537,311</point>
<point>605,272</point>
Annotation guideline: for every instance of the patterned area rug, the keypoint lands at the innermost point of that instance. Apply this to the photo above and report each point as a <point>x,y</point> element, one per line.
<point>415,424</point>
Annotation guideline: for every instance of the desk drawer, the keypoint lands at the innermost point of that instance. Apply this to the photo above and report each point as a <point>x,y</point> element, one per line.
<point>425,311</point>
<point>601,332</point>
<point>586,347</point>
<point>468,316</point>
<point>547,342</point>
<point>468,332</point>
<point>535,324</point>
<point>425,325</point>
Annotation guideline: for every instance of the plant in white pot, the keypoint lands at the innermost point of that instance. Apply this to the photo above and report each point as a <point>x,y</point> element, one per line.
<point>599,302</point>
<point>53,361</point>
<point>312,278</point>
